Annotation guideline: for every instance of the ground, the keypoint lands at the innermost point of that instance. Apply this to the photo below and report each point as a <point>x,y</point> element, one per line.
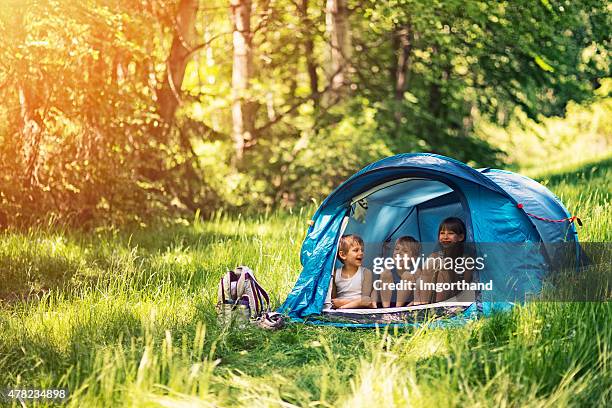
<point>128,318</point>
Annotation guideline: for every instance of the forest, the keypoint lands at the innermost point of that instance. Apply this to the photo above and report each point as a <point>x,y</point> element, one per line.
<point>126,112</point>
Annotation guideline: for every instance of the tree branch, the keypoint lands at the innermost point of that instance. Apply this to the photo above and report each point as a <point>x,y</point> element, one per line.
<point>296,105</point>
<point>206,43</point>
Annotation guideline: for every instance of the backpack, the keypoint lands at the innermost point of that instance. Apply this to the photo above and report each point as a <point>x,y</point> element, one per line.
<point>239,290</point>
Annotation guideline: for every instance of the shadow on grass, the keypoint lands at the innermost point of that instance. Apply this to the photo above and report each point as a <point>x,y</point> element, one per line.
<point>47,351</point>
<point>582,173</point>
<point>294,353</point>
<point>30,268</point>
<point>35,352</point>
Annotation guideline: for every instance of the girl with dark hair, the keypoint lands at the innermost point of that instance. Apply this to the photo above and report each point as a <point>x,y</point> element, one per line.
<point>438,268</point>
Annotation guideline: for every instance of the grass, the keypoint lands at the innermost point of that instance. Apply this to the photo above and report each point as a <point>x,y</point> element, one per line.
<point>127,318</point>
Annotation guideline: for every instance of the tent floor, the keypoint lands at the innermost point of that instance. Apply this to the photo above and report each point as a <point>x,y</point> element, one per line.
<point>396,315</point>
<point>385,310</point>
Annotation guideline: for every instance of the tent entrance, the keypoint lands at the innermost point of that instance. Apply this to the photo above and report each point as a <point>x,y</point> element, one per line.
<point>412,206</point>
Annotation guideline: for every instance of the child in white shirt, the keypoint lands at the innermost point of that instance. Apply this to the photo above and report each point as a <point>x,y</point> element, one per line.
<point>351,285</point>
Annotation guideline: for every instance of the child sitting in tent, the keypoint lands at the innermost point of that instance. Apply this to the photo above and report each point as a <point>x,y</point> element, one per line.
<point>351,285</point>
<point>407,248</point>
<point>451,242</point>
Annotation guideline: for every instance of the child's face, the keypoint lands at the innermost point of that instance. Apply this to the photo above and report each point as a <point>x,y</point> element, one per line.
<point>354,255</point>
<point>403,249</point>
<point>448,237</point>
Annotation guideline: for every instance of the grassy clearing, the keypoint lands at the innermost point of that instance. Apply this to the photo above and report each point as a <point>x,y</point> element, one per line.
<point>127,318</point>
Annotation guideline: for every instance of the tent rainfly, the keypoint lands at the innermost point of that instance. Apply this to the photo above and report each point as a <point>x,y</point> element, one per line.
<point>410,194</point>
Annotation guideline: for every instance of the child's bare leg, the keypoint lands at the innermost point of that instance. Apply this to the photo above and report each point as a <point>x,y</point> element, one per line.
<point>406,295</point>
<point>365,302</point>
<point>385,294</point>
<point>376,297</point>
<point>423,296</point>
<point>444,276</point>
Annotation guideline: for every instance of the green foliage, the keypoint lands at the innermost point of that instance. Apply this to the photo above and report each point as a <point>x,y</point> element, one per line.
<point>81,139</point>
<point>584,135</point>
<point>315,164</point>
<point>84,75</point>
<point>330,156</point>
<point>479,57</point>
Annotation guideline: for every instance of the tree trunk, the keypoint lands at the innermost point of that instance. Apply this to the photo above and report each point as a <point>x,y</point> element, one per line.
<point>243,115</point>
<point>31,124</point>
<point>311,65</point>
<point>31,132</point>
<point>403,39</point>
<point>169,96</point>
<point>437,109</point>
<point>336,19</point>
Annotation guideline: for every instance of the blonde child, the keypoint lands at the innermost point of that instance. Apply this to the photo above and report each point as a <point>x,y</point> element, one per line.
<point>406,248</point>
<point>351,285</point>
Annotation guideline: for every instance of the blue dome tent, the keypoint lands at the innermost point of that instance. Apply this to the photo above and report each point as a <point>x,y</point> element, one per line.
<point>410,194</point>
